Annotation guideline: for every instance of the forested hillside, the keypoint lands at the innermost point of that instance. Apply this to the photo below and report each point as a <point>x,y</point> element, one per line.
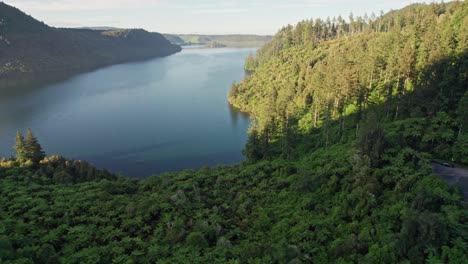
<point>29,49</point>
<point>329,206</point>
<point>407,67</point>
<point>337,169</point>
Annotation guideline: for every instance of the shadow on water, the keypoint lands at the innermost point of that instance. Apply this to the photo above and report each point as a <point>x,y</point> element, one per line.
<point>23,85</point>
<point>135,150</point>
<point>145,168</point>
<point>39,93</point>
<point>26,84</point>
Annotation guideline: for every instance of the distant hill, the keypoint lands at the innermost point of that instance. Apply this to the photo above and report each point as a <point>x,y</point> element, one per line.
<point>216,41</point>
<point>30,48</point>
<point>215,44</point>
<point>100,28</point>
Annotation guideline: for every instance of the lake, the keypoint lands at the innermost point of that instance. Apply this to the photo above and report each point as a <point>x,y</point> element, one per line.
<point>166,114</point>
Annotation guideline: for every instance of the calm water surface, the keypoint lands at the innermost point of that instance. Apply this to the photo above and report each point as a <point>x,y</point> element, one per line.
<point>166,114</point>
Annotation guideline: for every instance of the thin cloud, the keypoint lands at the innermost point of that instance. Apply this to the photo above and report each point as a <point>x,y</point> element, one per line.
<point>63,5</point>
<point>219,11</point>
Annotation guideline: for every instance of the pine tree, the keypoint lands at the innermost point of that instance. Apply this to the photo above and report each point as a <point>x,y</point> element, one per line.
<point>32,148</point>
<point>19,147</point>
<point>250,63</point>
<point>252,151</point>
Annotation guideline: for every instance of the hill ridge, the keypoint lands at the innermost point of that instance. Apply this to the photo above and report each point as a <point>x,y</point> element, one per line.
<point>30,49</point>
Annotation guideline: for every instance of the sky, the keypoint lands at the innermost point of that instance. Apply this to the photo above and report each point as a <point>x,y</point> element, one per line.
<point>264,17</point>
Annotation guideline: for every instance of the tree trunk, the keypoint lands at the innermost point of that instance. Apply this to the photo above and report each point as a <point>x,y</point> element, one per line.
<point>315,115</point>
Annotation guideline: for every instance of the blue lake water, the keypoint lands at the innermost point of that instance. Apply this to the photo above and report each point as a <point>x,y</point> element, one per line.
<point>144,118</point>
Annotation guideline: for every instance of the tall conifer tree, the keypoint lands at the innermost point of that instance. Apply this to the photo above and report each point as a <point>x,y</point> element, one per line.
<point>32,148</point>
<point>19,147</point>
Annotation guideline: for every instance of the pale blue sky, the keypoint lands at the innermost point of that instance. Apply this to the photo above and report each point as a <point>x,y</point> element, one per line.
<point>196,16</point>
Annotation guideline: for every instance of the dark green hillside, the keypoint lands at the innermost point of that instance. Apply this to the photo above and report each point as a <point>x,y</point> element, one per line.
<point>29,48</point>
<point>337,170</point>
<point>15,21</point>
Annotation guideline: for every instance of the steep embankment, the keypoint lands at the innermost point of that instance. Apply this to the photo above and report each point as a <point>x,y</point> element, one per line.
<point>406,64</point>
<point>30,49</point>
<point>407,69</point>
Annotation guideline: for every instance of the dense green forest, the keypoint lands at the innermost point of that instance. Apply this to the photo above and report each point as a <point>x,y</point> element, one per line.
<point>30,50</point>
<point>347,118</point>
<point>405,68</point>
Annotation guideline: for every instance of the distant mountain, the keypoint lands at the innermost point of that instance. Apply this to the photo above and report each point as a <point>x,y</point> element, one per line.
<point>216,41</point>
<point>174,39</point>
<point>100,28</point>
<point>29,48</point>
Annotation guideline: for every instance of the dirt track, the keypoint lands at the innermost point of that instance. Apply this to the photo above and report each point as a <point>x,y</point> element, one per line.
<point>457,176</point>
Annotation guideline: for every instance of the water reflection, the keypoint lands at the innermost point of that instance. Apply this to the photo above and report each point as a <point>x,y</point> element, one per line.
<point>138,118</point>
<point>237,115</point>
